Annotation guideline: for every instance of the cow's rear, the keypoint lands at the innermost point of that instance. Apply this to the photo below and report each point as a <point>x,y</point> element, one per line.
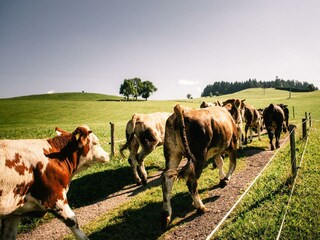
<point>196,134</point>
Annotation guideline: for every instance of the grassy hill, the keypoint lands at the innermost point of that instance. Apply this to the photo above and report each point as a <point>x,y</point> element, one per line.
<point>70,96</point>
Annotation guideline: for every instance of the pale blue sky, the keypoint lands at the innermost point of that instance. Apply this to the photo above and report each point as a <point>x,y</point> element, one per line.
<point>179,45</point>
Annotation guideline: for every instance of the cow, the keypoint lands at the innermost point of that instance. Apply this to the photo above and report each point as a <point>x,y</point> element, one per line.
<point>236,108</point>
<point>147,131</point>
<point>210,104</point>
<point>274,118</point>
<point>196,134</point>
<point>35,175</point>
<point>286,116</point>
<point>252,120</point>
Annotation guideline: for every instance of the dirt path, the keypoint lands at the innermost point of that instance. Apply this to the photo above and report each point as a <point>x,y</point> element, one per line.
<point>219,201</point>
<point>193,226</point>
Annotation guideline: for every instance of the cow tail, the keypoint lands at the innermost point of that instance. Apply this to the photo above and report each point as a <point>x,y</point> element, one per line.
<point>187,170</point>
<point>129,136</point>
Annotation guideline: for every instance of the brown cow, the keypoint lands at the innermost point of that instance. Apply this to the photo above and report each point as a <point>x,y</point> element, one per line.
<point>236,110</point>
<point>252,120</point>
<point>147,131</point>
<point>196,134</point>
<point>35,175</point>
<point>286,116</point>
<point>274,118</point>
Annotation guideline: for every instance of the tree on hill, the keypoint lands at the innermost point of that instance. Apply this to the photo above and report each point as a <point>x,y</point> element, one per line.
<point>147,89</point>
<point>135,87</point>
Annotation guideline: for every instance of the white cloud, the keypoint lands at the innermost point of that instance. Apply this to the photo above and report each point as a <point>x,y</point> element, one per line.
<point>186,82</point>
<point>50,92</point>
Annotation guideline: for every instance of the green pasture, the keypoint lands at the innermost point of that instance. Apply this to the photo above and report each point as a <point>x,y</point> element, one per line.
<point>37,116</point>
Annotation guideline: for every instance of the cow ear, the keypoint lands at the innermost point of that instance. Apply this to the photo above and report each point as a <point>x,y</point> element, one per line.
<point>60,132</point>
<point>228,106</point>
<point>77,136</point>
<point>237,103</point>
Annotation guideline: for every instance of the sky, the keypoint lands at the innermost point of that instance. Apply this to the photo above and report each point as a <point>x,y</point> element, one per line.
<point>180,45</point>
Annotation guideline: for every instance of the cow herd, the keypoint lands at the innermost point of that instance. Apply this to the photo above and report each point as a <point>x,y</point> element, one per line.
<point>35,174</point>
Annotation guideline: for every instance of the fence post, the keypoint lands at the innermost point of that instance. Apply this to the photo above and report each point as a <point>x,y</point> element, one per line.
<point>294,116</point>
<point>293,149</point>
<point>310,123</point>
<point>112,138</point>
<point>304,128</point>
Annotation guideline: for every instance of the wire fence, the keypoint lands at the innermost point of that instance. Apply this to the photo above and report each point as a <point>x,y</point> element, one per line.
<point>294,172</point>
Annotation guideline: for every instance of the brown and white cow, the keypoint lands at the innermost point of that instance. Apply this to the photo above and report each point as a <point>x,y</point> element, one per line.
<point>252,120</point>
<point>35,175</point>
<point>274,118</point>
<point>196,134</point>
<point>147,131</point>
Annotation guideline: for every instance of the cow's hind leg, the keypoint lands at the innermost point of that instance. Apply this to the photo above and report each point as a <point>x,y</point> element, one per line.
<point>146,150</point>
<point>270,135</point>
<point>169,175</point>
<point>246,135</point>
<point>192,184</point>
<point>9,227</point>
<point>277,135</point>
<point>250,129</point>
<point>134,146</point>
<point>222,175</point>
<point>232,164</point>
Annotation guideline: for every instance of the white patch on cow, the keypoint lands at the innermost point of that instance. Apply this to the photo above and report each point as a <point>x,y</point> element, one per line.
<point>96,154</point>
<point>65,210</point>
<point>30,153</point>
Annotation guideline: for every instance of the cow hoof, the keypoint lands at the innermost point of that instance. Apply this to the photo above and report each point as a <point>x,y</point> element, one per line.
<point>144,182</point>
<point>139,183</point>
<point>202,210</point>
<point>165,219</point>
<point>223,183</point>
<point>272,148</point>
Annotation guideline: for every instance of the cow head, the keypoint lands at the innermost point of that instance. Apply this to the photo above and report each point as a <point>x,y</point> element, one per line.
<point>92,152</point>
<point>87,147</point>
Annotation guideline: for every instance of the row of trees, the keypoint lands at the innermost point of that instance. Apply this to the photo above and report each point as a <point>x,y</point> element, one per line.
<point>220,88</point>
<point>135,88</point>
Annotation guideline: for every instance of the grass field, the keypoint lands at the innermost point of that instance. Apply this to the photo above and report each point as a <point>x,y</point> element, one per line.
<point>37,116</point>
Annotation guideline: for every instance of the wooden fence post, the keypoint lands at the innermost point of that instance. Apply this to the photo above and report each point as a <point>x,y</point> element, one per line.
<point>112,138</point>
<point>310,123</point>
<point>304,128</point>
<point>294,116</point>
<point>293,149</point>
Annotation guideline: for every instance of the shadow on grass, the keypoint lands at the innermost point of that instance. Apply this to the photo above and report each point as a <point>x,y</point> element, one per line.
<point>99,186</point>
<point>145,222</point>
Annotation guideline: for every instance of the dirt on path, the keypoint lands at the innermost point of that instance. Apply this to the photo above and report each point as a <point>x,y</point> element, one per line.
<point>193,226</point>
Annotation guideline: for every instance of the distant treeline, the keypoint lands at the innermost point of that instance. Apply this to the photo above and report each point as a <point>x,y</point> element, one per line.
<point>221,88</point>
